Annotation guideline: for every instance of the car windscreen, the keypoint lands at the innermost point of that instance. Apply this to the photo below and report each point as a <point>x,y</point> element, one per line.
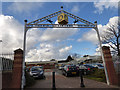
<point>36,69</point>
<point>100,65</point>
<point>88,66</point>
<point>72,67</point>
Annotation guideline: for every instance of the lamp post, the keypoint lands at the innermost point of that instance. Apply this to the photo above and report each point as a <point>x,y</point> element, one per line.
<point>24,50</point>
<point>101,51</point>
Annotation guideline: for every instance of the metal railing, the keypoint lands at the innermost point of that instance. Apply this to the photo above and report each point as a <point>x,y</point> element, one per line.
<point>6,62</point>
<point>116,61</point>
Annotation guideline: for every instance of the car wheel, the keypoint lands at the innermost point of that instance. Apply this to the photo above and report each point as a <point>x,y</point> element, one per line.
<point>66,74</point>
<point>44,77</point>
<point>85,72</point>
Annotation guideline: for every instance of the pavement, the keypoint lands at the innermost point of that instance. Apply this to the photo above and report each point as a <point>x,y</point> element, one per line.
<point>62,82</point>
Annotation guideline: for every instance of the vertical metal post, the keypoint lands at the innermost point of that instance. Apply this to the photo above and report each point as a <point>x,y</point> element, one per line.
<point>81,78</point>
<point>24,49</point>
<point>100,44</point>
<point>53,88</point>
<point>1,73</point>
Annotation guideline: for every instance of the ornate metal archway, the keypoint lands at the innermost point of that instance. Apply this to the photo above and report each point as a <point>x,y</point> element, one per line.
<point>37,24</point>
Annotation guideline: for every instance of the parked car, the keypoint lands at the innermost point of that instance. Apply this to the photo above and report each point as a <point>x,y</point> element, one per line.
<point>84,69</point>
<point>37,72</point>
<point>61,67</point>
<point>70,70</point>
<point>28,68</point>
<point>99,66</point>
<point>90,68</point>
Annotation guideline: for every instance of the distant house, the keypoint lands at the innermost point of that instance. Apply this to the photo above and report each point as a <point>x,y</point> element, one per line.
<point>90,59</point>
<point>69,58</point>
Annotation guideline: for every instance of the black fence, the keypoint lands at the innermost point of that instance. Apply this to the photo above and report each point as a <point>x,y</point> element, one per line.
<point>6,62</point>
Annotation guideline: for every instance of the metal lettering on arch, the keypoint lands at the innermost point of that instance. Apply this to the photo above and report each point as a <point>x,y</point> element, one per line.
<point>59,26</point>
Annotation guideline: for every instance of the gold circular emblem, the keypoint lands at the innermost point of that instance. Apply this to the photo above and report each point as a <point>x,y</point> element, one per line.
<point>60,17</point>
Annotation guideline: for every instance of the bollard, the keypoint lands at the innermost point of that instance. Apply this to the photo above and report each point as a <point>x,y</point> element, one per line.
<point>81,77</point>
<point>53,88</point>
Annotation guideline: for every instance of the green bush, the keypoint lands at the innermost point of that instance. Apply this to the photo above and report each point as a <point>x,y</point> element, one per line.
<point>97,74</point>
<point>29,80</point>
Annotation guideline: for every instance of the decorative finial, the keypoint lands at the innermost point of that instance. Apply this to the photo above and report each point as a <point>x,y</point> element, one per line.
<point>25,20</point>
<point>95,22</point>
<point>62,7</point>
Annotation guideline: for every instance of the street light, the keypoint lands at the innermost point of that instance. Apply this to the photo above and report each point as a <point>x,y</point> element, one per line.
<point>100,44</point>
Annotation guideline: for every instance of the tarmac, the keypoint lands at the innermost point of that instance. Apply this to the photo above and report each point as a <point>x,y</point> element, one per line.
<point>74,83</point>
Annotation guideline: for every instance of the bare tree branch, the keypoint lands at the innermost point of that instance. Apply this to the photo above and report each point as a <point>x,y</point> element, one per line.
<point>112,37</point>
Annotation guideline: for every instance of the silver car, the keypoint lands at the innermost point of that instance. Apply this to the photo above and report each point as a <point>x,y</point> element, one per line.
<point>37,72</point>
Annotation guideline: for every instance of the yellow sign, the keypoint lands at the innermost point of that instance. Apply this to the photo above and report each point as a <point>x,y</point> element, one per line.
<point>63,19</point>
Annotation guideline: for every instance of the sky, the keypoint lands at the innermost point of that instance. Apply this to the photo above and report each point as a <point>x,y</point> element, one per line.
<point>51,43</point>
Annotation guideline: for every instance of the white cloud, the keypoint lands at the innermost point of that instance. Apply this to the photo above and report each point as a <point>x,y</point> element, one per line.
<point>89,36</point>
<point>47,49</point>
<point>62,50</point>
<point>48,52</point>
<point>56,22</point>
<point>11,33</point>
<point>98,48</point>
<point>33,38</point>
<point>92,35</point>
<point>56,34</point>
<point>24,7</point>
<point>101,5</point>
<point>36,47</point>
<point>75,9</point>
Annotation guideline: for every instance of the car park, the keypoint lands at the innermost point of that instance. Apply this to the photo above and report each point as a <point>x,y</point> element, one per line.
<point>37,72</point>
<point>61,67</point>
<point>28,68</point>
<point>90,68</point>
<point>70,70</point>
<point>84,69</point>
<point>99,66</point>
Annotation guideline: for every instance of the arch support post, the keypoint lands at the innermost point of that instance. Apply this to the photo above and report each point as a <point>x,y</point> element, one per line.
<point>101,51</point>
<point>24,50</point>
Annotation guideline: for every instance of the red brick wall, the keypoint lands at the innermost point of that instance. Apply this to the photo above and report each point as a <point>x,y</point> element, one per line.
<point>45,66</point>
<point>118,79</point>
<point>113,79</point>
<point>6,79</point>
<point>17,69</point>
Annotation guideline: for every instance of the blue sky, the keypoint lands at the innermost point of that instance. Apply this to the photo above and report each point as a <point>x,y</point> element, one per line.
<point>42,39</point>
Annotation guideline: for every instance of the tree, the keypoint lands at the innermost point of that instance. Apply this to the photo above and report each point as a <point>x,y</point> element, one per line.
<point>85,55</point>
<point>52,60</point>
<point>112,36</point>
<point>76,55</point>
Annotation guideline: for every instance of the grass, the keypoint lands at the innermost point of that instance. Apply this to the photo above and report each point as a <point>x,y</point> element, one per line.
<point>29,80</point>
<point>98,75</point>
